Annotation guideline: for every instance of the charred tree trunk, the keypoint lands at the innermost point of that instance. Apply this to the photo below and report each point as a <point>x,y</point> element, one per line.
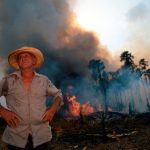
<point>148,106</point>
<point>104,133</point>
<point>131,104</point>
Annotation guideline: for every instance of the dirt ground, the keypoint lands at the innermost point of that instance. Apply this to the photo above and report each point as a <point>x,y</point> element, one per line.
<point>121,133</point>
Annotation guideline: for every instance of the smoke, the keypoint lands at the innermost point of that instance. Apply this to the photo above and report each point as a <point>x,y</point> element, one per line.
<point>122,93</point>
<point>51,26</point>
<point>138,27</point>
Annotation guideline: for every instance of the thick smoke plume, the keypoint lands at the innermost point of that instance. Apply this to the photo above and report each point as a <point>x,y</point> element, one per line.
<point>51,26</point>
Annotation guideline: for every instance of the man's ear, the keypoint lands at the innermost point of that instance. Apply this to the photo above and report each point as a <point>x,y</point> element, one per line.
<point>34,60</point>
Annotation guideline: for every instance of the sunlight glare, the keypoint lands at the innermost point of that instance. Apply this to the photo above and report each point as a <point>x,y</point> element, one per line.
<point>107,23</point>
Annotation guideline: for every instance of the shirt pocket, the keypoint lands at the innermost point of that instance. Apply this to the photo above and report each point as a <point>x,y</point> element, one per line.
<point>39,90</point>
<point>16,97</point>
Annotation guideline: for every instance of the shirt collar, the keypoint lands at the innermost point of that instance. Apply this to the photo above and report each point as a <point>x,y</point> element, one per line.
<point>18,74</point>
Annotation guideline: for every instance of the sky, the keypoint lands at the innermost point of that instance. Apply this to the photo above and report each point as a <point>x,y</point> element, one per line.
<point>120,24</point>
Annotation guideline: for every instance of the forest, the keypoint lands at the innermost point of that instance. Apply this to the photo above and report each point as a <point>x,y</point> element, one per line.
<point>127,89</point>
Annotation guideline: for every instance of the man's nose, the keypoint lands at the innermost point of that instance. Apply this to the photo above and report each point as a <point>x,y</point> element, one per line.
<point>24,58</point>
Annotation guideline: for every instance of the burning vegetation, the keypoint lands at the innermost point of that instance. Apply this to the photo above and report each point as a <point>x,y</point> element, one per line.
<point>125,90</point>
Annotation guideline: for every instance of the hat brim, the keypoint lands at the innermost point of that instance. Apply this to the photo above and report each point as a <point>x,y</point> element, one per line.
<point>13,56</point>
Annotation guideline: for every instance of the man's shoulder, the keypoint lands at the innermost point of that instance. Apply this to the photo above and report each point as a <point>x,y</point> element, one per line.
<point>41,76</point>
<point>11,75</point>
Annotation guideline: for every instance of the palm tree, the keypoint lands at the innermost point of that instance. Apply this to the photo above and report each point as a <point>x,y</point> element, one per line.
<point>127,72</point>
<point>143,64</point>
<point>128,60</point>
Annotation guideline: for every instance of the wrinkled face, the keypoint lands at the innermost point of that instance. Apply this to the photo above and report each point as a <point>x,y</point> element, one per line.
<point>26,61</point>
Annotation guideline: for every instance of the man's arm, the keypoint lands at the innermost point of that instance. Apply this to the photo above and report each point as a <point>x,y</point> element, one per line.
<point>10,117</point>
<point>50,112</point>
<point>57,101</point>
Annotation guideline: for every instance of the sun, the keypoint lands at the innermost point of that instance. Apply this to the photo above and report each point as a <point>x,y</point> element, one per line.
<point>105,21</point>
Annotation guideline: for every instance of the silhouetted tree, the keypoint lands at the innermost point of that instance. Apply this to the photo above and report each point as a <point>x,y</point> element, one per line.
<point>143,64</point>
<point>127,58</point>
<point>147,72</point>
<point>121,80</point>
<point>96,66</point>
<point>100,76</point>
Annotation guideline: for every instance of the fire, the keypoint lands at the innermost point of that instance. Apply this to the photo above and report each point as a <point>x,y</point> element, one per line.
<point>74,106</point>
<point>76,109</point>
<point>86,108</point>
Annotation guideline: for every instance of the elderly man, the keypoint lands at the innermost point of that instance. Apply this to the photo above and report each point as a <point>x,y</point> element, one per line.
<point>25,91</point>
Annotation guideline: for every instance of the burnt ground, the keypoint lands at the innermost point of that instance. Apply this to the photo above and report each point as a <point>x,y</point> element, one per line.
<point>116,132</point>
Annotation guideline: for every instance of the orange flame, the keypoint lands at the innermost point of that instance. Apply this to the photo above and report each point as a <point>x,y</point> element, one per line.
<point>86,108</point>
<point>74,106</point>
<point>76,109</point>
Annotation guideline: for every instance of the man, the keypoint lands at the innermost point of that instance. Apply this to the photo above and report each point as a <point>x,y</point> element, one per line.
<point>25,91</point>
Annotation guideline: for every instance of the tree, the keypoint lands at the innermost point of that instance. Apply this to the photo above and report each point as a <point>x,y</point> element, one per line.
<point>100,76</point>
<point>147,72</point>
<point>128,60</point>
<point>143,64</point>
<point>96,66</point>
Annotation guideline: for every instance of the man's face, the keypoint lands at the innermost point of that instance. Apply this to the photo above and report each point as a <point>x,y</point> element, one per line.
<point>26,61</point>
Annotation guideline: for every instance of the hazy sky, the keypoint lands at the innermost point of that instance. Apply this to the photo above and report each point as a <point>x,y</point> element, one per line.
<point>120,24</point>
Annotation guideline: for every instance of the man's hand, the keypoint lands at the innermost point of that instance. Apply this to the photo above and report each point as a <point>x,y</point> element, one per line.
<point>10,117</point>
<point>49,113</point>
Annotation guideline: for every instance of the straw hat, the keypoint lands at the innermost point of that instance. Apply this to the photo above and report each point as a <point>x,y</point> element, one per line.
<point>12,57</point>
